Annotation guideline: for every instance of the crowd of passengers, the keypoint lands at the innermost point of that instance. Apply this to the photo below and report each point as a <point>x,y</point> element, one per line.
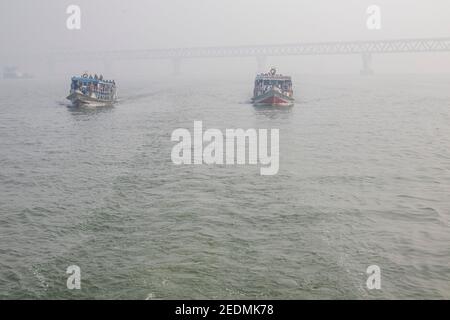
<point>263,86</point>
<point>103,89</point>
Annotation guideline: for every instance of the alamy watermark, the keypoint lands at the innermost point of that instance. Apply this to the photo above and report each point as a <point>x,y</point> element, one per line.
<point>213,147</point>
<point>374,279</point>
<point>74,279</point>
<point>73,22</point>
<point>374,19</point>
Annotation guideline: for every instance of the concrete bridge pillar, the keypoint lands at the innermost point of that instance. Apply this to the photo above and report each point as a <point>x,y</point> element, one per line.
<point>176,66</point>
<point>367,64</point>
<point>261,62</point>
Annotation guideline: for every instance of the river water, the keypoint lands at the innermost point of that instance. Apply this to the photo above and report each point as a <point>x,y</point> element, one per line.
<point>364,180</point>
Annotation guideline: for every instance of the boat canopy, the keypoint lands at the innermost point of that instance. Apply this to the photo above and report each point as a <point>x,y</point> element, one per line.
<point>271,77</point>
<point>273,81</point>
<point>85,80</point>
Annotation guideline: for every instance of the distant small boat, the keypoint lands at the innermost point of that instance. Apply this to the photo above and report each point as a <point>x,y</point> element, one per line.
<point>14,73</point>
<point>92,91</point>
<point>272,89</point>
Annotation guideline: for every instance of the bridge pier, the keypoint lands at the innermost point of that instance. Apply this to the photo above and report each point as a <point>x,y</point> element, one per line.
<point>367,64</point>
<point>176,66</point>
<point>261,62</point>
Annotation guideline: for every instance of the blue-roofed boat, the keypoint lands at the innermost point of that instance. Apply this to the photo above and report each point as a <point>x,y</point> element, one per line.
<point>92,91</point>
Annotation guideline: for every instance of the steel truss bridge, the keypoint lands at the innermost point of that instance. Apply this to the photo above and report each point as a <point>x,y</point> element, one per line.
<point>363,48</point>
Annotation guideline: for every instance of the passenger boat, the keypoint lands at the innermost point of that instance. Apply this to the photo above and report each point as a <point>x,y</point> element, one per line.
<point>272,89</point>
<point>92,91</point>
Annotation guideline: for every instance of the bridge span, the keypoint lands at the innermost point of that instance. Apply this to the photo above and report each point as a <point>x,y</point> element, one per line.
<point>363,48</point>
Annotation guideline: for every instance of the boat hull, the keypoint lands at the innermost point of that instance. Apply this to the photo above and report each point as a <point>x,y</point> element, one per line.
<point>79,99</point>
<point>273,98</point>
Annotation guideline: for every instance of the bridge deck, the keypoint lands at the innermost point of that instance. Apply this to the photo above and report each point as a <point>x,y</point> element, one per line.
<point>324,48</point>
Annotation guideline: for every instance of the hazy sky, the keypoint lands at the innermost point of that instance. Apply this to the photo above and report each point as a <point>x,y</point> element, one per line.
<point>27,25</point>
<point>119,24</point>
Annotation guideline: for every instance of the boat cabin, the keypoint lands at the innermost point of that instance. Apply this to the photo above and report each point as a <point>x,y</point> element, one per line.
<point>94,86</point>
<point>271,81</point>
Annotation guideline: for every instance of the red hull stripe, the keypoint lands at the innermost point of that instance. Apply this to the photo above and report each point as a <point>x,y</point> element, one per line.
<point>273,100</point>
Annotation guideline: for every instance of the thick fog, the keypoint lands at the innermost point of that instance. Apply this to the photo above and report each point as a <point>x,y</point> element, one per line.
<point>30,28</point>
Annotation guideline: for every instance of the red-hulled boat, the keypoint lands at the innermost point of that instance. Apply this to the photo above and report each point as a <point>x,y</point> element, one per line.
<point>272,89</point>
